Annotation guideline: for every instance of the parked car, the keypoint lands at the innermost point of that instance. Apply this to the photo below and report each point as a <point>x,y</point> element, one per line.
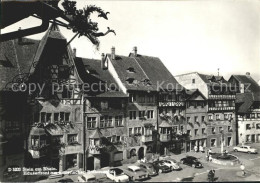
<point>161,167</point>
<point>102,177</point>
<point>65,180</point>
<point>244,148</point>
<point>87,177</point>
<point>173,164</point>
<point>191,161</point>
<point>149,167</point>
<point>117,175</point>
<point>55,175</point>
<point>136,173</point>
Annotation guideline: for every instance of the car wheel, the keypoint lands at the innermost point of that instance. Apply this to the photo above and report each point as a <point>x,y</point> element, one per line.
<point>193,165</point>
<point>160,171</point>
<point>235,150</point>
<point>249,152</point>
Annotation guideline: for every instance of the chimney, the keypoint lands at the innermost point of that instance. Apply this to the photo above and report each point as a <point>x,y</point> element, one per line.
<point>135,51</point>
<point>113,53</point>
<point>103,62</point>
<point>248,74</point>
<point>74,52</point>
<point>20,39</point>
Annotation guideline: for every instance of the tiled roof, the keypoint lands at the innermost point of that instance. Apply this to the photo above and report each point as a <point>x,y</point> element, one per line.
<point>165,124</point>
<point>53,33</point>
<point>96,134</point>
<point>244,79</point>
<point>143,73</point>
<point>156,71</point>
<point>192,92</point>
<point>90,71</point>
<point>16,59</point>
<point>37,131</point>
<point>122,65</point>
<point>246,100</point>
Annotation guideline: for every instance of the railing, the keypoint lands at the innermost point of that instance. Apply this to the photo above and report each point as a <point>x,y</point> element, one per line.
<point>94,149</point>
<point>169,103</point>
<point>147,138</point>
<point>221,108</point>
<point>222,97</point>
<point>165,137</point>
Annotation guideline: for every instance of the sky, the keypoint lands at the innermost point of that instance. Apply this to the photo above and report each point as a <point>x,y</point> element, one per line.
<point>188,36</point>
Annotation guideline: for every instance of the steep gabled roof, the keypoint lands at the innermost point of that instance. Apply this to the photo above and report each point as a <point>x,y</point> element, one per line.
<point>53,33</point>
<point>157,72</point>
<point>143,73</point>
<point>16,59</point>
<point>191,94</point>
<point>246,100</point>
<point>90,71</point>
<point>248,81</point>
<point>136,80</point>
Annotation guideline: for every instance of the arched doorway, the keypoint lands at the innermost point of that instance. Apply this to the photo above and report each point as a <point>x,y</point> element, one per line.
<point>141,153</point>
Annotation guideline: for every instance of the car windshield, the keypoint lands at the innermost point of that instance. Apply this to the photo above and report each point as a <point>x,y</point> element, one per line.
<point>91,179</point>
<point>117,171</point>
<point>137,170</point>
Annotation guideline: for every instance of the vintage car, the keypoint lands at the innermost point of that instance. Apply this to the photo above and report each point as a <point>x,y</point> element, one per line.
<point>191,161</point>
<point>246,149</point>
<point>65,180</point>
<point>149,167</point>
<point>173,164</point>
<point>87,177</point>
<point>136,173</point>
<point>117,175</point>
<point>161,167</point>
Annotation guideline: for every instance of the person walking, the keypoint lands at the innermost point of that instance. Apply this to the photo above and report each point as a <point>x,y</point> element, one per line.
<point>242,167</point>
<point>210,158</point>
<point>211,175</point>
<point>195,148</point>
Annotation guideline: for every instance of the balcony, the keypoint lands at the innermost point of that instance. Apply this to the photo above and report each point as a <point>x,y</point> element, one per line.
<point>165,137</point>
<point>171,104</point>
<point>221,97</point>
<point>221,108</point>
<point>38,152</point>
<point>94,149</point>
<point>146,138</point>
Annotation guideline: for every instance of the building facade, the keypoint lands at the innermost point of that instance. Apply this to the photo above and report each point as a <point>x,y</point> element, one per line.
<point>220,95</point>
<point>56,137</point>
<point>15,58</point>
<point>248,108</point>
<point>104,116</point>
<point>196,116</point>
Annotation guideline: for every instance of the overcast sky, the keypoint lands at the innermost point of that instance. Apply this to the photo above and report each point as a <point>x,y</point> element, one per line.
<point>188,36</point>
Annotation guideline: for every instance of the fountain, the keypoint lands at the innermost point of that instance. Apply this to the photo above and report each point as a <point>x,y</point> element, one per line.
<point>224,158</point>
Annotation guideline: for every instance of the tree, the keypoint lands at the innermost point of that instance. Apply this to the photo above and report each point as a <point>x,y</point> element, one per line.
<point>48,11</point>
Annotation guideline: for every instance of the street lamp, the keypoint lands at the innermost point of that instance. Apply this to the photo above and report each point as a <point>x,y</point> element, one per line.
<point>222,141</point>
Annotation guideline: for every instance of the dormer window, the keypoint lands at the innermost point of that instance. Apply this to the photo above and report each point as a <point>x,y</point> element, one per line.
<point>131,70</point>
<point>130,80</point>
<point>147,82</point>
